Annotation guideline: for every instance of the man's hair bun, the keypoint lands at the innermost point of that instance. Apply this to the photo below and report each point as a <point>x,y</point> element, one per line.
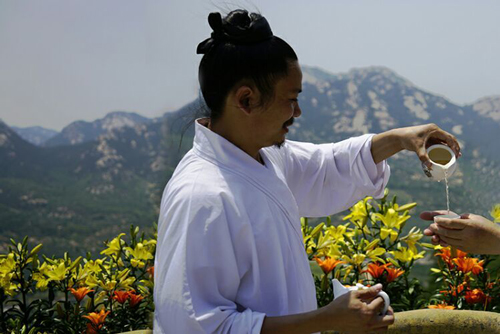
<point>238,28</point>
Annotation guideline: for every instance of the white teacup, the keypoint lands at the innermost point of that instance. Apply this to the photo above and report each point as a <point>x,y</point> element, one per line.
<point>339,290</point>
<point>443,162</point>
<point>448,216</point>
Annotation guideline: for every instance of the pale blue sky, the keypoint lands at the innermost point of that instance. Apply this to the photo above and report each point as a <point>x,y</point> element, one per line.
<point>63,60</point>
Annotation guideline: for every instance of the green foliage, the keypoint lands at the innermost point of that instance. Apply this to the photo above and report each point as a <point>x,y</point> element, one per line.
<point>371,248</point>
<point>62,295</point>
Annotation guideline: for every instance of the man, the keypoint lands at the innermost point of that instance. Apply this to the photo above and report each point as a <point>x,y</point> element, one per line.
<point>230,256</point>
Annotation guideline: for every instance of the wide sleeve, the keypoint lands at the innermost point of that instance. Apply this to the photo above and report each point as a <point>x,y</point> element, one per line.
<point>207,260</point>
<point>329,178</point>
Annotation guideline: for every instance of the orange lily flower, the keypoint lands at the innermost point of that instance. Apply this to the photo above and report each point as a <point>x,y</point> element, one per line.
<point>445,254</point>
<point>468,264</point>
<point>328,264</point>
<point>151,271</point>
<point>80,293</point>
<point>454,291</point>
<point>475,296</point>
<point>121,296</point>
<point>443,306</point>
<point>393,273</point>
<point>96,321</point>
<point>376,269</point>
<point>134,299</point>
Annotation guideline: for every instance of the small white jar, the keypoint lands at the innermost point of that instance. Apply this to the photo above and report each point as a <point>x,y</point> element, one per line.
<point>443,162</point>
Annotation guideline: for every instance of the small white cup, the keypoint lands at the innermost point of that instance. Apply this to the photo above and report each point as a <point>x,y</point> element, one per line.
<point>449,216</point>
<point>443,162</point>
<point>339,290</point>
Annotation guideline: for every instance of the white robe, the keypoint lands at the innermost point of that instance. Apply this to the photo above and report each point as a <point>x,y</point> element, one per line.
<point>230,248</point>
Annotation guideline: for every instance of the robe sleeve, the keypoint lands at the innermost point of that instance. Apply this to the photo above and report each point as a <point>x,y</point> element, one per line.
<point>215,258</point>
<point>328,178</point>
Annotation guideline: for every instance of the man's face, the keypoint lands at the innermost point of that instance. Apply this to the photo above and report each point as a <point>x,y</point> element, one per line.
<point>278,115</point>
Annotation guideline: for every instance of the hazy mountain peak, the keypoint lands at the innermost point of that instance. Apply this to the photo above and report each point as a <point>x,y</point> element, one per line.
<point>376,73</point>
<point>82,131</point>
<point>4,134</point>
<point>11,141</point>
<point>36,135</point>
<point>119,119</point>
<point>315,75</point>
<point>488,106</point>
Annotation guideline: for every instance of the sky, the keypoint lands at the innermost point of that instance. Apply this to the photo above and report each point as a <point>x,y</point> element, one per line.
<point>62,61</point>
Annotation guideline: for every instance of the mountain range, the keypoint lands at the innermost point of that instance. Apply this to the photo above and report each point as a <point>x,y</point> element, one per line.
<point>73,189</point>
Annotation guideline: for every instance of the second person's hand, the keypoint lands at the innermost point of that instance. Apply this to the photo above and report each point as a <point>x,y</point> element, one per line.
<point>470,233</point>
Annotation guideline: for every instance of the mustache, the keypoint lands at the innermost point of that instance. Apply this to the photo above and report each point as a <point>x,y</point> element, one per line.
<point>289,122</point>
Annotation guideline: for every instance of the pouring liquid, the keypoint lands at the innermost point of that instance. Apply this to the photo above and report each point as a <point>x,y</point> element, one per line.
<point>444,162</point>
<point>447,192</point>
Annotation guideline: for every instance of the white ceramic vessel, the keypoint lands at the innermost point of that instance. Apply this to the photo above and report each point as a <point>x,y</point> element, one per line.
<point>339,290</point>
<point>443,160</point>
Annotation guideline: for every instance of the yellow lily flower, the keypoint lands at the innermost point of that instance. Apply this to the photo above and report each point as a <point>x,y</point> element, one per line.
<point>150,245</point>
<point>391,220</point>
<point>495,213</point>
<point>412,238</point>
<point>42,281</point>
<point>359,212</point>
<point>404,254</point>
<point>385,232</point>
<point>137,263</point>
<point>108,285</point>
<point>375,253</point>
<point>79,274</point>
<point>334,251</point>
<point>309,243</point>
<point>337,232</point>
<point>139,252</point>
<point>309,247</point>
<point>7,264</point>
<point>6,284</point>
<point>126,284</point>
<point>57,272</point>
<point>114,246</point>
<point>91,281</point>
<point>324,241</point>
<point>356,259</point>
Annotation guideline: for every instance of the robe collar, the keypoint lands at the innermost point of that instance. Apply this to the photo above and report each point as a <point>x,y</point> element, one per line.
<point>218,148</point>
<point>267,178</point>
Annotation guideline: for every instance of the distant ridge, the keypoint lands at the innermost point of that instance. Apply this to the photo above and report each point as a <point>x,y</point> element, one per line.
<point>74,194</point>
<point>36,135</point>
<point>81,131</point>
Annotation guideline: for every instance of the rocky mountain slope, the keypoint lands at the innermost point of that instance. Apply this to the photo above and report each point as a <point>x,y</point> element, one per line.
<point>36,135</point>
<point>80,131</point>
<point>97,178</point>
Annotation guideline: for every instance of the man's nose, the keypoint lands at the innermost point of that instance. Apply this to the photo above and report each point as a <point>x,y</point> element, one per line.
<point>297,111</point>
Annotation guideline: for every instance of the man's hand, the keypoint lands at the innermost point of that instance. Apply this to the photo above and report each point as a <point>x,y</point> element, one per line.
<point>414,138</point>
<point>418,138</point>
<point>470,233</point>
<point>358,312</point>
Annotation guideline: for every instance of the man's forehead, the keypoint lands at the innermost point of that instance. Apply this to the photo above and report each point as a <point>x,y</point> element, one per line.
<point>292,83</point>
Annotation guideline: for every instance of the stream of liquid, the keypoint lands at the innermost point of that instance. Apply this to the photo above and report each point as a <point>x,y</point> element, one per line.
<point>447,192</point>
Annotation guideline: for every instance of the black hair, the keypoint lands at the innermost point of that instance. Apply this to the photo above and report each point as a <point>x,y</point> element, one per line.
<point>242,47</point>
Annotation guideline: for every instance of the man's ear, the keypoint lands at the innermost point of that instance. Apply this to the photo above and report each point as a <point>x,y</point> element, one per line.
<point>246,98</point>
